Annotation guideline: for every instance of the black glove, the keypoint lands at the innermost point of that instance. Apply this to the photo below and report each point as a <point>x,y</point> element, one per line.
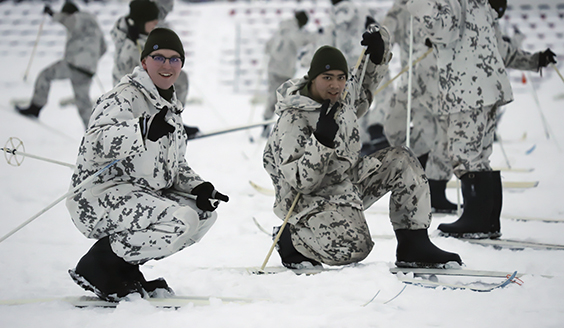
<point>374,45</point>
<point>369,21</point>
<point>47,10</point>
<point>547,57</point>
<point>191,131</point>
<point>132,32</point>
<point>428,43</point>
<point>327,128</point>
<point>157,126</point>
<point>204,193</point>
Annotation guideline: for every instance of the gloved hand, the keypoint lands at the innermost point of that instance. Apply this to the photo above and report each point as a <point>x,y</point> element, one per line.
<point>374,43</point>
<point>205,192</point>
<point>47,10</point>
<point>132,32</point>
<point>428,43</point>
<point>156,127</point>
<point>369,21</point>
<point>326,127</point>
<point>547,57</point>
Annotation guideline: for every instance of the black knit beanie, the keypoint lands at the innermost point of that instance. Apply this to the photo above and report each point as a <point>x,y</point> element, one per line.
<point>69,8</point>
<point>302,18</point>
<point>163,38</point>
<point>500,6</point>
<point>143,11</point>
<point>325,59</point>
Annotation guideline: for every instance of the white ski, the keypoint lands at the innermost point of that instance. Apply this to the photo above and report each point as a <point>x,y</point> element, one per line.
<point>433,282</point>
<point>454,272</point>
<point>93,301</point>
<point>262,190</point>
<point>532,218</point>
<point>514,244</point>
<point>505,184</point>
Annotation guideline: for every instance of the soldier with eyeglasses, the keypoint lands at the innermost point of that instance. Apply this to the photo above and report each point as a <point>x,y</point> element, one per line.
<point>150,204</point>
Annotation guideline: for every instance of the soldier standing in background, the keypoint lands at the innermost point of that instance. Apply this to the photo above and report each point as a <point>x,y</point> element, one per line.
<point>84,47</point>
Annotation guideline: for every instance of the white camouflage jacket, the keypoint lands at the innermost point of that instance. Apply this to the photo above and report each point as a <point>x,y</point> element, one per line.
<point>127,53</point>
<point>85,43</point>
<point>114,134</point>
<point>472,74</point>
<point>297,162</point>
<point>283,47</point>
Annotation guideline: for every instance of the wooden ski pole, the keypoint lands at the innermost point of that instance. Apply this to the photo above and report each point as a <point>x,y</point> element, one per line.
<point>279,233</point>
<point>405,69</point>
<point>34,48</point>
<point>557,71</point>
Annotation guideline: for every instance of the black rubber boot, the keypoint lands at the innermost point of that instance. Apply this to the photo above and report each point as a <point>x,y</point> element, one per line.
<point>423,160</point>
<point>415,250</point>
<point>497,191</point>
<point>31,111</point>
<point>109,276</point>
<point>475,221</point>
<point>291,258</point>
<point>377,141</point>
<point>439,202</point>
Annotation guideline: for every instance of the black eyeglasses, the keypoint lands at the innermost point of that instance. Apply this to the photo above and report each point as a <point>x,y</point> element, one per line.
<point>173,61</point>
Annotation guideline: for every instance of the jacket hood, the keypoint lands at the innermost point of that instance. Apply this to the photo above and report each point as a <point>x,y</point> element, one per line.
<point>289,96</point>
<point>141,80</point>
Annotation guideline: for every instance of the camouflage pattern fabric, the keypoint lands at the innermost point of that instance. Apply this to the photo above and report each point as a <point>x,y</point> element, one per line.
<point>80,83</point>
<point>274,82</point>
<point>141,201</point>
<point>472,74</point>
<point>85,43</point>
<point>84,47</point>
<point>470,139</point>
<point>336,185</point>
<point>338,234</point>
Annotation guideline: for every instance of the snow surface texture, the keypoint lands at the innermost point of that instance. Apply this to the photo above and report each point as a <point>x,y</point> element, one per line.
<point>35,260</point>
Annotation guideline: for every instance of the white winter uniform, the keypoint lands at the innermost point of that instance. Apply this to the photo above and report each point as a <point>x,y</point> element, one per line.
<point>282,51</point>
<point>472,77</point>
<point>335,185</point>
<point>141,201</point>
<point>84,47</point>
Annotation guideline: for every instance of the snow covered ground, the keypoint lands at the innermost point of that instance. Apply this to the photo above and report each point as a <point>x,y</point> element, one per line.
<point>35,260</point>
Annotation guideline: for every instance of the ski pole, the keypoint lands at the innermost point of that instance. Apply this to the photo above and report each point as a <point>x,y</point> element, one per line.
<point>409,84</point>
<point>34,48</point>
<point>71,192</point>
<point>405,69</point>
<point>557,71</point>
<point>15,152</point>
<point>279,233</point>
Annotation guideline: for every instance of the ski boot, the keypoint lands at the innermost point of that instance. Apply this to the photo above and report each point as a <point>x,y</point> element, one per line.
<point>475,221</point>
<point>31,111</point>
<point>439,202</point>
<point>291,258</point>
<point>415,250</point>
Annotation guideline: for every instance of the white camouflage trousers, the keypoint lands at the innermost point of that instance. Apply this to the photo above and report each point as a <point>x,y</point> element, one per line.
<point>274,81</point>
<point>80,82</point>
<point>145,225</point>
<point>339,235</point>
<point>470,139</point>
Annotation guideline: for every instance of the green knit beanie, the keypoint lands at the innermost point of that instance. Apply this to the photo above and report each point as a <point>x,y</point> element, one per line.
<point>163,38</point>
<point>325,59</point>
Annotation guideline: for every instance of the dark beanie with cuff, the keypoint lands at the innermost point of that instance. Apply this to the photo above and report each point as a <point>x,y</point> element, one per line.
<point>163,38</point>
<point>301,17</point>
<point>143,11</point>
<point>325,59</point>
<point>69,8</point>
